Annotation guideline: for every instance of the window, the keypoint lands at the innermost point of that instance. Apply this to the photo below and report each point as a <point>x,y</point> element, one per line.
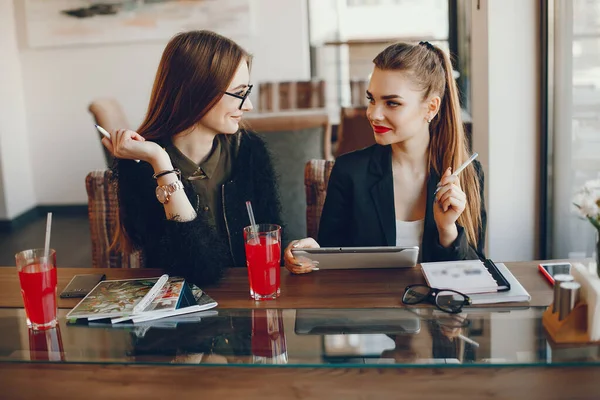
<point>574,117</point>
<point>346,35</point>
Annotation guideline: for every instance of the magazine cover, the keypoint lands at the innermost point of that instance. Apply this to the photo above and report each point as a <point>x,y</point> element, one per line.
<point>112,298</point>
<point>169,296</point>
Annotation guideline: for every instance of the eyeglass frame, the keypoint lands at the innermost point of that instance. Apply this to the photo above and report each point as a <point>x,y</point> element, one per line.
<point>432,296</point>
<point>243,98</point>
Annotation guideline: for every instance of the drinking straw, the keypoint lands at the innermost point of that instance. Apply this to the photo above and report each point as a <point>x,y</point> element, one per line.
<point>253,227</point>
<point>47,240</point>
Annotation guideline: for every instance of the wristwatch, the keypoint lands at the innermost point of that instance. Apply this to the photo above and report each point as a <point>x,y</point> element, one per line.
<point>163,193</point>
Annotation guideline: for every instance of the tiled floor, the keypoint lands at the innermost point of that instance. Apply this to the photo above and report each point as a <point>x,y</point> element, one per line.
<point>70,238</point>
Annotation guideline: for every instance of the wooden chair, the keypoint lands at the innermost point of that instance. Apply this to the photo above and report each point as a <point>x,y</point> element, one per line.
<point>103,210</point>
<point>354,131</point>
<point>293,95</point>
<point>109,114</point>
<point>316,179</point>
<point>358,92</point>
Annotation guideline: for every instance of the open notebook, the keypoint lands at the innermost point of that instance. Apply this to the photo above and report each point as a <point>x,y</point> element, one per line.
<point>468,276</point>
<point>516,294</point>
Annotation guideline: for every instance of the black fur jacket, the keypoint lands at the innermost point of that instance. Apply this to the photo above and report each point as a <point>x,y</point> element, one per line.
<point>195,249</point>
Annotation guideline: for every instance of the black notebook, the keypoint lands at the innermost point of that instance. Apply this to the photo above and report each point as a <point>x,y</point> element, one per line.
<point>468,276</point>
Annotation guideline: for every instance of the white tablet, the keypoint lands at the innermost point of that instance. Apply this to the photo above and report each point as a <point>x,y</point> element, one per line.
<point>361,257</point>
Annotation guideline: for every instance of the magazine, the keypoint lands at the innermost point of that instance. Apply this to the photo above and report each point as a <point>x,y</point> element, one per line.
<point>141,300</point>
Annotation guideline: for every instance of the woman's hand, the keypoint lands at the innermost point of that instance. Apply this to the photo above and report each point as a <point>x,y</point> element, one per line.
<point>301,265</point>
<point>450,202</point>
<point>130,145</point>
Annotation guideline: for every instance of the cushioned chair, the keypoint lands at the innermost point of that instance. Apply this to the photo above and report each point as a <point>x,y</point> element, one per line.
<point>109,115</point>
<point>292,139</point>
<point>103,209</point>
<point>316,178</point>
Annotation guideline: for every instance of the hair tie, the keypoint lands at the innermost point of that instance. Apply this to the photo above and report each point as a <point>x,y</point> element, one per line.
<point>427,44</point>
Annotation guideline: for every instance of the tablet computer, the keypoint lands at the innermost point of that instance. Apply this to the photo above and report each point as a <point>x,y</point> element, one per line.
<point>361,257</point>
<point>356,321</point>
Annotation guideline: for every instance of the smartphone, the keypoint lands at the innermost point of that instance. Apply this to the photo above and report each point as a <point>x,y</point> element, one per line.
<point>551,269</point>
<point>81,285</point>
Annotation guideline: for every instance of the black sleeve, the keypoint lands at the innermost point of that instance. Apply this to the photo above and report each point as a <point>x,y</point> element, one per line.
<point>335,224</point>
<point>191,249</point>
<point>461,249</point>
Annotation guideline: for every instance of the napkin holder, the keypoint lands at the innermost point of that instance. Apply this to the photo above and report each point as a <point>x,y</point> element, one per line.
<point>582,325</point>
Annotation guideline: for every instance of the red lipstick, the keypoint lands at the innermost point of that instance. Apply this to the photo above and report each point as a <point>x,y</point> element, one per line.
<point>381,129</point>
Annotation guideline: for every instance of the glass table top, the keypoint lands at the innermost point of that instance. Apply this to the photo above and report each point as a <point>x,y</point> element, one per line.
<point>303,337</point>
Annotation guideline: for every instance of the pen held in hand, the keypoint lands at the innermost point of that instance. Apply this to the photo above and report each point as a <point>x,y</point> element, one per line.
<point>105,133</point>
<point>459,169</point>
<point>468,340</point>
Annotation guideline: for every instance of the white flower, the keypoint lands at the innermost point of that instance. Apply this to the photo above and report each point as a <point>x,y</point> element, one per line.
<point>592,186</point>
<point>589,207</point>
<point>586,200</point>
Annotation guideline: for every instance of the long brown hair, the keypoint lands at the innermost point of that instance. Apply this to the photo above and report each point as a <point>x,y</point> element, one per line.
<point>430,68</point>
<point>195,70</point>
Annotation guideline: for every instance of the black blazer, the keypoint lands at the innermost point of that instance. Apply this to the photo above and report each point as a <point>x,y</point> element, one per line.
<point>359,208</point>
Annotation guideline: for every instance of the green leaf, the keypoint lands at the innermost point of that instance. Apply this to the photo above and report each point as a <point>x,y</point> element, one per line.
<point>594,222</point>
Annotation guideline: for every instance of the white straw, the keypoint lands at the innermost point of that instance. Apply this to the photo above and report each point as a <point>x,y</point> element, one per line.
<point>253,226</point>
<point>47,241</point>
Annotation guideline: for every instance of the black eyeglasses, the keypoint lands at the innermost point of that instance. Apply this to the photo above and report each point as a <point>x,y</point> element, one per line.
<point>449,301</point>
<point>243,96</point>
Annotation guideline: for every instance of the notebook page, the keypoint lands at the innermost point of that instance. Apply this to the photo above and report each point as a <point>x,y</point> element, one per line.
<point>467,277</point>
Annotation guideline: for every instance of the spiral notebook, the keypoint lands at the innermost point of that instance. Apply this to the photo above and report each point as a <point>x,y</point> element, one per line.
<point>468,277</point>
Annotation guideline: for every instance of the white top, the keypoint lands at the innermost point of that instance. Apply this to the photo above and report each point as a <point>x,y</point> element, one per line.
<point>410,233</point>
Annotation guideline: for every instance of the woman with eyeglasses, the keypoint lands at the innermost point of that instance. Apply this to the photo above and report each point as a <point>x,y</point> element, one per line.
<point>402,191</point>
<point>183,204</point>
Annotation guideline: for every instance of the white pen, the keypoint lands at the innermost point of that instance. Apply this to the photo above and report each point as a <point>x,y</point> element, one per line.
<point>149,297</point>
<point>463,166</point>
<point>468,340</point>
<point>105,133</point>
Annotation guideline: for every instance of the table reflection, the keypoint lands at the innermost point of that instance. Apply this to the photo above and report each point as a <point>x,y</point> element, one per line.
<point>318,337</point>
<point>46,345</point>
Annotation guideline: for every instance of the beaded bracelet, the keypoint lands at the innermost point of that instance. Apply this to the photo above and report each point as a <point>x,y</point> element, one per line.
<point>167,171</point>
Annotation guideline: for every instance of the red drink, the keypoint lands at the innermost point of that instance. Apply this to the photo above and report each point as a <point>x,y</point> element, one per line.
<point>37,276</point>
<point>263,258</point>
<point>263,266</point>
<point>38,288</point>
<point>268,337</point>
<point>46,345</point>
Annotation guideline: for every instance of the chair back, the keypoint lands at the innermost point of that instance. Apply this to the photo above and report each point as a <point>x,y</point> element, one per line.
<point>292,140</point>
<point>103,212</point>
<point>316,179</point>
<point>358,88</point>
<point>109,114</point>
<point>294,95</point>
<point>354,132</point>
